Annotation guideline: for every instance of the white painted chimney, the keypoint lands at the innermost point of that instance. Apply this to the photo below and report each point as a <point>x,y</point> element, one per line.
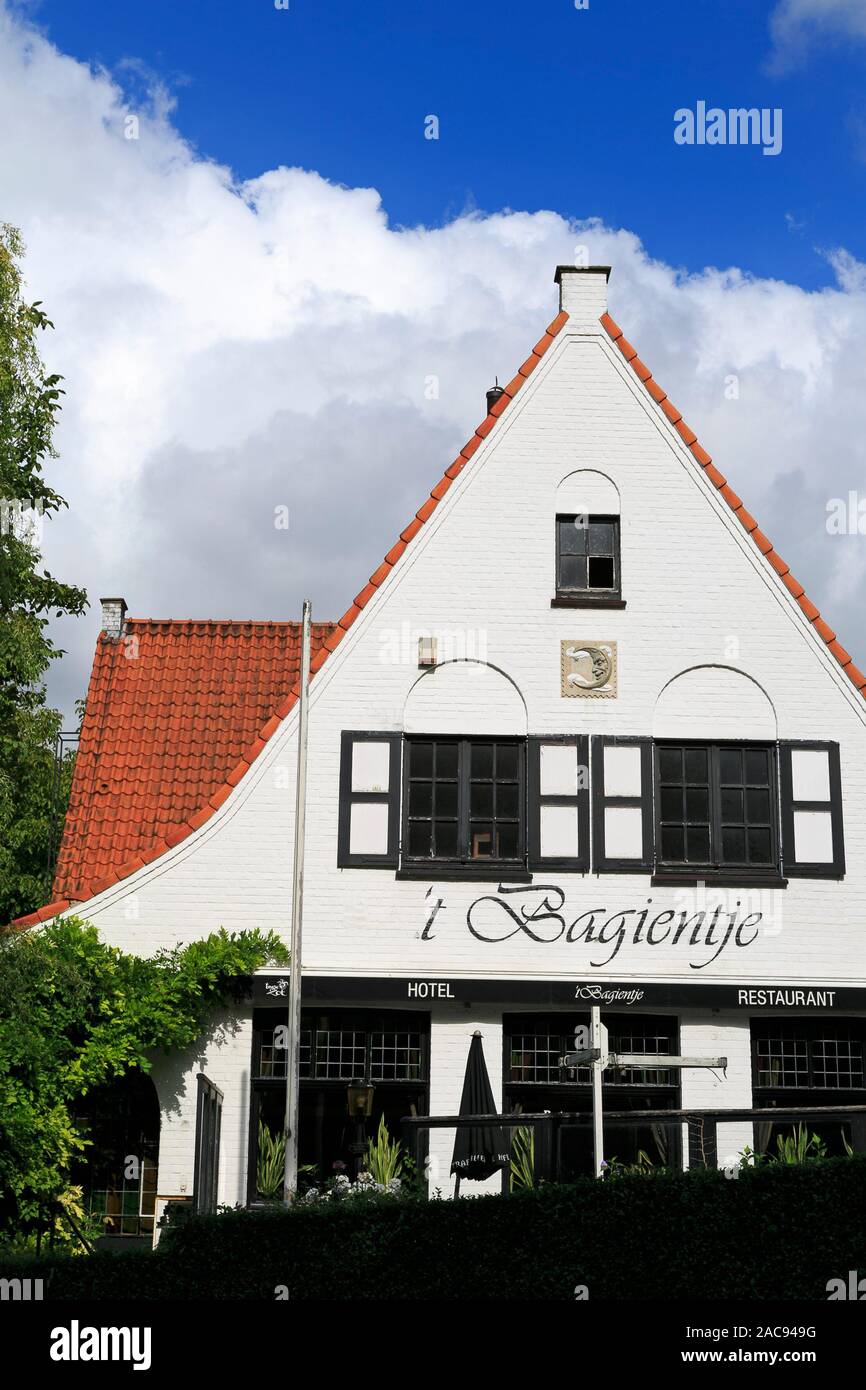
<point>583,293</point>
<point>113,616</point>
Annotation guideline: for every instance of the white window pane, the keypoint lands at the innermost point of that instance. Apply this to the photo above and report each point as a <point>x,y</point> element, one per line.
<point>622,770</point>
<point>813,837</point>
<point>810,774</point>
<point>368,828</point>
<point>559,834</point>
<point>558,769</point>
<point>623,832</point>
<point>370,766</point>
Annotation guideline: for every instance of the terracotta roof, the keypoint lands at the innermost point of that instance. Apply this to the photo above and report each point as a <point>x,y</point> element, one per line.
<point>215,693</point>
<point>174,716</point>
<point>746,520</point>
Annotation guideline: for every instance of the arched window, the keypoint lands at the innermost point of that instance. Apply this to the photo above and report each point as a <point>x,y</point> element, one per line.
<point>588,558</point>
<point>465,770</point>
<point>716,774</point>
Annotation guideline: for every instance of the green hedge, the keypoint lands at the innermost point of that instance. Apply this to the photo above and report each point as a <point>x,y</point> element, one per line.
<point>773,1233</point>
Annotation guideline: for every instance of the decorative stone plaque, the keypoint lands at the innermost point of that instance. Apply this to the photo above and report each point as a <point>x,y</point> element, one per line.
<point>589,669</point>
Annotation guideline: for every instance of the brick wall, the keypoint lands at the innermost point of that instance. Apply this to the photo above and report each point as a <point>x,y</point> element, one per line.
<point>224,1056</point>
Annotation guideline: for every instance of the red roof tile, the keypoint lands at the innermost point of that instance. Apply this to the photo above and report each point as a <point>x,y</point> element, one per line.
<point>171,709</point>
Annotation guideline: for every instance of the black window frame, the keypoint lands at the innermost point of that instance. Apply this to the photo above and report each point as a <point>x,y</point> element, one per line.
<point>349,798</point>
<point>463,866</point>
<point>536,799</point>
<point>318,1018</point>
<point>715,868</point>
<point>208,1126</point>
<point>622,1027</point>
<point>808,1030</point>
<point>363,1020</point>
<point>602,863</point>
<point>803,868</point>
<point>586,594</point>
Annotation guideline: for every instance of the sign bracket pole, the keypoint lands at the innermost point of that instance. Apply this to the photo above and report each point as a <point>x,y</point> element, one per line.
<point>598,1064</point>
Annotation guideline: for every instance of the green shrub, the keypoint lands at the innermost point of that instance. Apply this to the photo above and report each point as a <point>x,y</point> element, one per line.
<point>775,1232</point>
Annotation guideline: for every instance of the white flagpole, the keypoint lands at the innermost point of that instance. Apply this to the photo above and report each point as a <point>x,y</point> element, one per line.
<point>293,1040</point>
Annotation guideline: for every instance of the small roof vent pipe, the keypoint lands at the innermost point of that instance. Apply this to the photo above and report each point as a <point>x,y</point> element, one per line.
<point>493,395</point>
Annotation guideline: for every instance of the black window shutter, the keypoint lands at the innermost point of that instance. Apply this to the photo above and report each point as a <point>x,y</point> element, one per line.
<point>376,845</point>
<point>542,804</point>
<point>608,856</point>
<point>812,835</point>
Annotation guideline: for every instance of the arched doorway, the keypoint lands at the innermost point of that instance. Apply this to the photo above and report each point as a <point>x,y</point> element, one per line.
<point>118,1170</point>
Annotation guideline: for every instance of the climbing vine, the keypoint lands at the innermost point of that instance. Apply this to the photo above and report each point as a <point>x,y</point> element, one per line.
<point>76,1013</point>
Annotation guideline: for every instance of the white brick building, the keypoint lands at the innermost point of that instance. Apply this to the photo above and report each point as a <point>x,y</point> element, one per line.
<point>635,773</point>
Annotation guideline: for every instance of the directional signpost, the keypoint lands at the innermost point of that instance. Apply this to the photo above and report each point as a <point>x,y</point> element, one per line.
<point>591,1049</point>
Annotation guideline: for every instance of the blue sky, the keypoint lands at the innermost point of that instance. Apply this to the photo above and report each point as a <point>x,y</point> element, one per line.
<point>540,106</point>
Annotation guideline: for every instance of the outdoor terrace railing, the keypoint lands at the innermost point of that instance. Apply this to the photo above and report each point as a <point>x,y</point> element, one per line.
<point>702,1123</point>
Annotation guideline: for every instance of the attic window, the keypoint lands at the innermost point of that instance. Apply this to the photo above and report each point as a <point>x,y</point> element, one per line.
<point>587,557</point>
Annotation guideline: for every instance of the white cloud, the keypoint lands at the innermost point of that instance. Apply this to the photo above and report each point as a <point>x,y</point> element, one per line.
<point>229,348</point>
<point>850,273</point>
<point>795,25</point>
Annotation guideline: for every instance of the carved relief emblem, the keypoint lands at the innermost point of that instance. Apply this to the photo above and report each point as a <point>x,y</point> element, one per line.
<point>589,669</point>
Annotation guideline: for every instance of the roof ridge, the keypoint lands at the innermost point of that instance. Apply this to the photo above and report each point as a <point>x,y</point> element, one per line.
<point>340,628</point>
<point>745,518</point>
<point>227,622</point>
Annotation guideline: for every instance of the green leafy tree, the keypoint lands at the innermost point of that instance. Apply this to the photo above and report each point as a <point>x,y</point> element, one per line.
<point>75,1014</point>
<point>29,595</point>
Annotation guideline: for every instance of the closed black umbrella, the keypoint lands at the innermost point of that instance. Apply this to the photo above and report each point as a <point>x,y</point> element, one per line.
<point>479,1150</point>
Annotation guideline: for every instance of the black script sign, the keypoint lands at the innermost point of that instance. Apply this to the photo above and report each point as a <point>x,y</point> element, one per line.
<point>537,911</point>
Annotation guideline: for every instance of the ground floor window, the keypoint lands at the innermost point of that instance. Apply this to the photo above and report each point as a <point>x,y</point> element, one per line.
<point>800,1063</point>
<point>388,1048</point>
<point>535,1082</point>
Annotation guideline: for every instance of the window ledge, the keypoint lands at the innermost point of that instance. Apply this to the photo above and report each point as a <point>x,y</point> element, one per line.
<point>454,873</point>
<point>585,601</point>
<point>728,878</point>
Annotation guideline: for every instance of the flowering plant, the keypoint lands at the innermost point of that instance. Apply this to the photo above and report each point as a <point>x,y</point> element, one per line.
<point>339,1189</point>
